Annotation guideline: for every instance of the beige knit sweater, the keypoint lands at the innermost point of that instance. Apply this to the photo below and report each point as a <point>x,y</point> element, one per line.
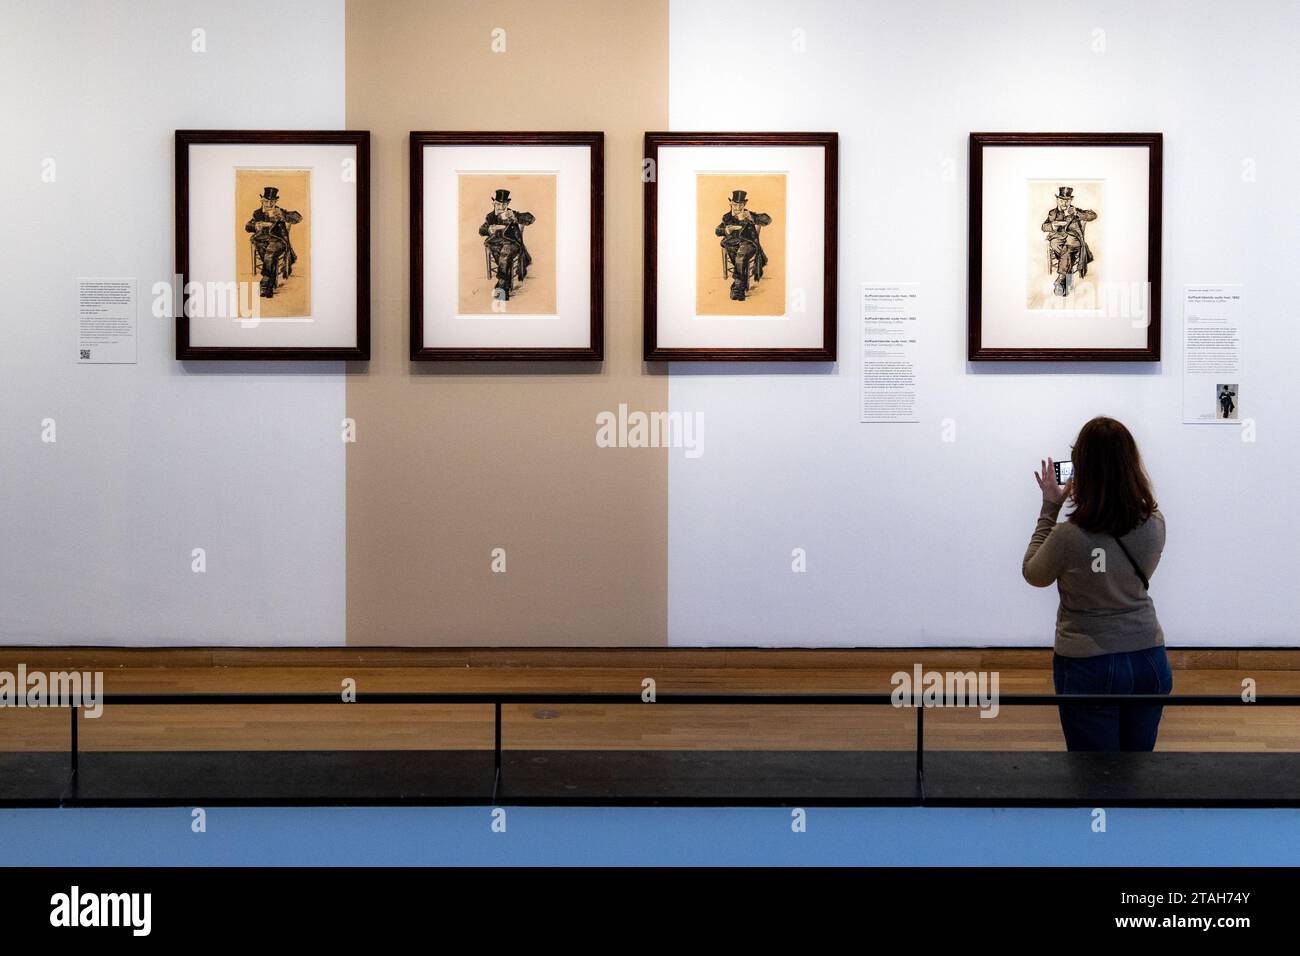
<point>1104,608</point>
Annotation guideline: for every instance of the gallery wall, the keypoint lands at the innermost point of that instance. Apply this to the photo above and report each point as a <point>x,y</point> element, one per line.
<point>910,539</point>
<point>457,460</point>
<point>151,461</point>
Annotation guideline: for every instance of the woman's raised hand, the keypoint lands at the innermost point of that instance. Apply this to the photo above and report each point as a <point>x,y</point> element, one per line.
<point>1047,483</point>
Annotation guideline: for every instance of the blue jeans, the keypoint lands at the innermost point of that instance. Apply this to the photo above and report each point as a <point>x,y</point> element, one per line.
<point>1117,726</point>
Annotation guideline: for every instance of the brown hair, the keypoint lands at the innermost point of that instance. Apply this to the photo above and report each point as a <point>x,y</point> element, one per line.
<point>1111,490</point>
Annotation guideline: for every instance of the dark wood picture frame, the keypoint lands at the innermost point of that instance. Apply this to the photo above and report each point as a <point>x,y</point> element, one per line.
<point>594,351</point>
<point>360,139</point>
<point>976,350</point>
<point>826,352</point>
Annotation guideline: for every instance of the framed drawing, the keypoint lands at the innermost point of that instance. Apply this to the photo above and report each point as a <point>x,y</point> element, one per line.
<point>506,246</point>
<point>1064,247</point>
<point>273,244</point>
<point>740,254</point>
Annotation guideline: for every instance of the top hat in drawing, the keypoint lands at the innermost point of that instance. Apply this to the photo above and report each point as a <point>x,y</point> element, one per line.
<point>501,195</point>
<point>739,195</point>
<point>1065,192</point>
<point>270,193</point>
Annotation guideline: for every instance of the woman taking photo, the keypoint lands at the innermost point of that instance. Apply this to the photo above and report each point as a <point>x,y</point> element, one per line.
<point>1101,559</point>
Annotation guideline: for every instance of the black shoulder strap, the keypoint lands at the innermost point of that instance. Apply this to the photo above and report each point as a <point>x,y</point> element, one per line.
<point>1145,583</point>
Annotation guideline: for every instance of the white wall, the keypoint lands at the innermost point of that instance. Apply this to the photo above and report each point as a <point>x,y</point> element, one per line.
<point>912,541</point>
<point>154,459</point>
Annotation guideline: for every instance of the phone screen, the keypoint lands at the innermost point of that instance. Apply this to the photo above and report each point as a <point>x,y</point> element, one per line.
<point>1064,469</point>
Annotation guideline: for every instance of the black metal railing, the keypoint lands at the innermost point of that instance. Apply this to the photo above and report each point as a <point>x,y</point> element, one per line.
<point>498,700</point>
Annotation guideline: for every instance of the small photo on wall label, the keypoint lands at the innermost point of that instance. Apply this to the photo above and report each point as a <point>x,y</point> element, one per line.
<point>1226,402</point>
<point>273,241</point>
<point>740,247</point>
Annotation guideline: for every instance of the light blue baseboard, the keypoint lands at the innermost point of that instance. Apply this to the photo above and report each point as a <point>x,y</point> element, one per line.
<point>648,836</point>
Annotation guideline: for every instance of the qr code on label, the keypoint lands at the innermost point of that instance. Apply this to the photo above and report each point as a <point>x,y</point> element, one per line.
<point>85,353</point>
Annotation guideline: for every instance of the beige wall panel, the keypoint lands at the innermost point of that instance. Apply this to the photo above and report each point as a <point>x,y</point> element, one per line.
<point>454,459</point>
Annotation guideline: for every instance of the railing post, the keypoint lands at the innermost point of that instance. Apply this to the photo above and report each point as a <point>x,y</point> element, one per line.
<point>72,746</point>
<point>496,745</point>
<point>920,749</point>
<point>496,750</point>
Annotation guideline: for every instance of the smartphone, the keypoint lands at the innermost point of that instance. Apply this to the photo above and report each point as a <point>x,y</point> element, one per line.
<point>1064,469</point>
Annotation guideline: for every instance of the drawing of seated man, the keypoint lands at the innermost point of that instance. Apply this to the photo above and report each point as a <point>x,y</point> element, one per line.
<point>739,232</point>
<point>1064,226</point>
<point>270,228</point>
<point>507,254</point>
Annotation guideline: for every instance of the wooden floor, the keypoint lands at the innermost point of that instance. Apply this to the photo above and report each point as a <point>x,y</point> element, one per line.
<point>360,726</point>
